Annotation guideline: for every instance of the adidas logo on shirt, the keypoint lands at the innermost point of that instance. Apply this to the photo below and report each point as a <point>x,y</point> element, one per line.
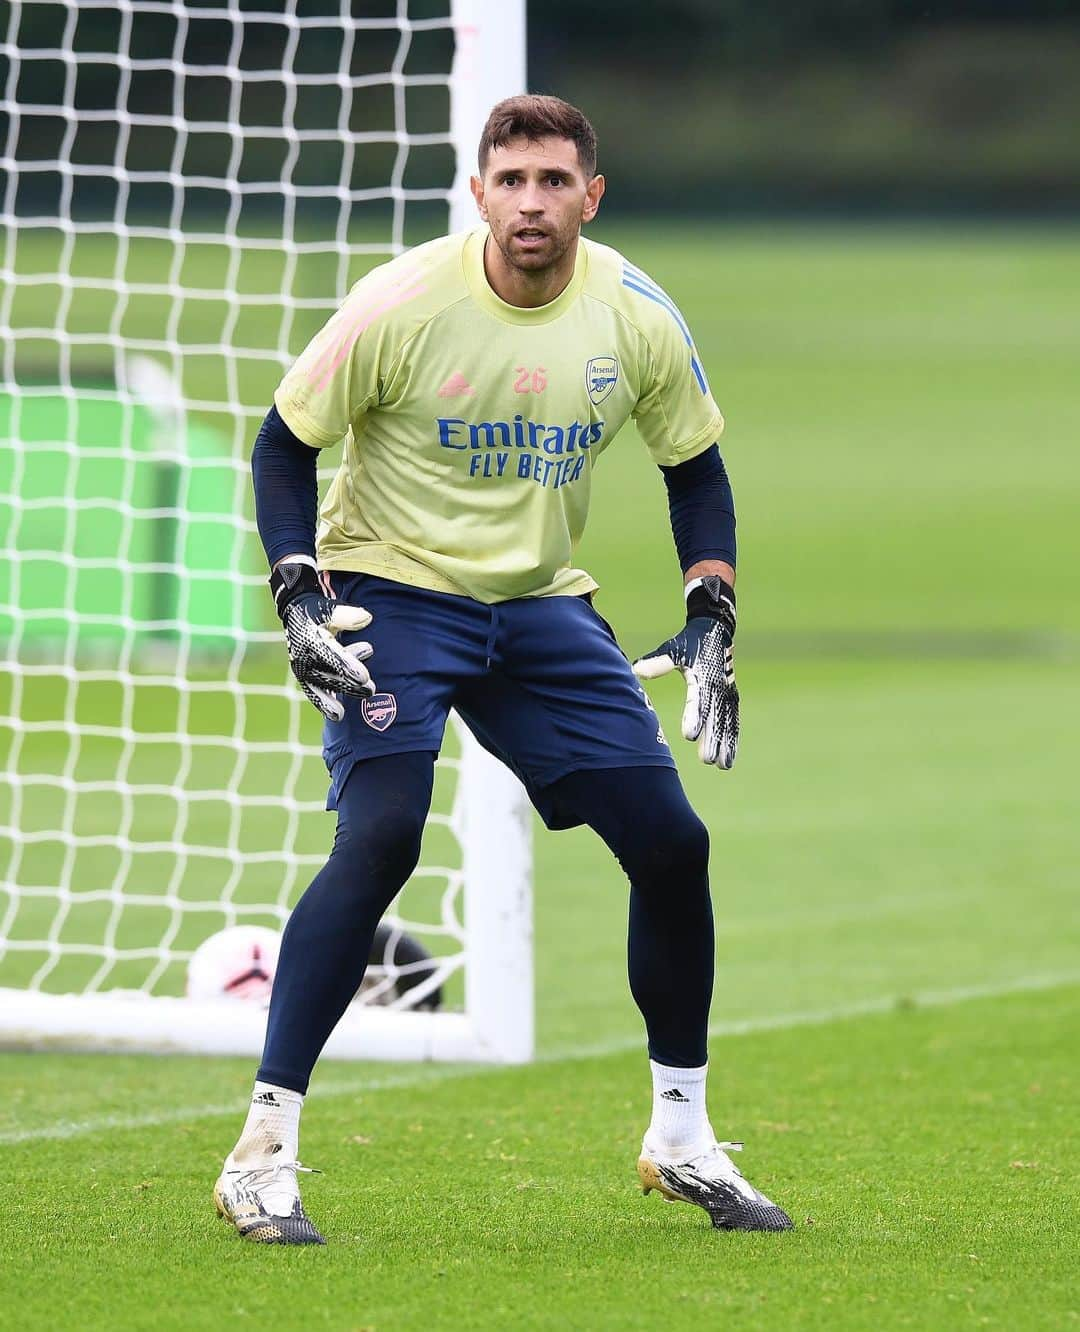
<point>457,386</point>
<point>673,1095</point>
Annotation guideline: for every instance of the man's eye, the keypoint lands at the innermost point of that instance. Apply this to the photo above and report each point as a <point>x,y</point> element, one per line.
<point>555,180</point>
<point>510,180</point>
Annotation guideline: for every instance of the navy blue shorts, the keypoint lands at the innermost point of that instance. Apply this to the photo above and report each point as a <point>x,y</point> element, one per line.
<point>540,682</point>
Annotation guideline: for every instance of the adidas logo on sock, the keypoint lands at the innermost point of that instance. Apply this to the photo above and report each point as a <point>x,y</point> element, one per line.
<point>673,1095</point>
<point>265,1098</point>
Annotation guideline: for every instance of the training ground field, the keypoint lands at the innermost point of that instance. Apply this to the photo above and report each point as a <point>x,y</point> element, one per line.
<point>894,870</point>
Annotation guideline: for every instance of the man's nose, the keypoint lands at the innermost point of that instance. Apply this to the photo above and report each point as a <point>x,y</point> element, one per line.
<point>531,201</point>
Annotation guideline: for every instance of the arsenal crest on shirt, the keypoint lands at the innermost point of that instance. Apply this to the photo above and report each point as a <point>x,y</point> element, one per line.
<point>601,376</point>
<point>379,711</point>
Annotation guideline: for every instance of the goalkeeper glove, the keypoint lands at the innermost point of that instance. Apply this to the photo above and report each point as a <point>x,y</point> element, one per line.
<point>323,666</point>
<point>703,652</point>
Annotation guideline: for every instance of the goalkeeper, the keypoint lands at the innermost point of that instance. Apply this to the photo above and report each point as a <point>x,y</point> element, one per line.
<point>475,381</point>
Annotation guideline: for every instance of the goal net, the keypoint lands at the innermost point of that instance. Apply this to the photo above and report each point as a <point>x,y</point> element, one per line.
<point>190,190</point>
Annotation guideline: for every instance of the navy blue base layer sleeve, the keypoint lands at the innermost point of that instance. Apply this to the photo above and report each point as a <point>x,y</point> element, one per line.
<point>702,509</point>
<point>286,490</point>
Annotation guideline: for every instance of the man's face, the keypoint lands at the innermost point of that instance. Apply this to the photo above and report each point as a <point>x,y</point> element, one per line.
<point>534,197</point>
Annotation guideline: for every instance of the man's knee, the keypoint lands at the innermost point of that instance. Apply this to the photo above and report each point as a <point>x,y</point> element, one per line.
<point>381,813</point>
<point>677,847</point>
<point>384,843</point>
<point>666,844</point>
<point>691,839</point>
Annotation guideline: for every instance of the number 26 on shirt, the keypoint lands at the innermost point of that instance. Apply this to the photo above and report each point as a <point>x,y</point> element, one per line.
<point>530,381</point>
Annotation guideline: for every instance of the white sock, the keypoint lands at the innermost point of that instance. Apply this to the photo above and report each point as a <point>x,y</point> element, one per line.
<point>272,1131</point>
<point>680,1124</point>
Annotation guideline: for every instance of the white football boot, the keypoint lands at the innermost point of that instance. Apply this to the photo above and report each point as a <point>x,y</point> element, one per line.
<point>263,1202</point>
<point>710,1179</point>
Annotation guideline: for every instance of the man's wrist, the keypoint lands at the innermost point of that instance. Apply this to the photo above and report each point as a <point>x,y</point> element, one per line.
<point>714,585</point>
<point>295,559</point>
<point>694,573</point>
<point>691,586</point>
<point>713,596</point>
<point>291,578</point>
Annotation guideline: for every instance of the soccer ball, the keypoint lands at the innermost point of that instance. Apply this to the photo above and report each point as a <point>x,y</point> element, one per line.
<point>237,963</point>
<point>396,965</point>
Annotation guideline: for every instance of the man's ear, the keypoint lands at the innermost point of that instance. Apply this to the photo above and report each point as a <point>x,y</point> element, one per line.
<point>594,192</point>
<point>477,187</point>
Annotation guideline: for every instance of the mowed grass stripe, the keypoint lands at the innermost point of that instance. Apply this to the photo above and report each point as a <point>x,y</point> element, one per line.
<point>927,1157</point>
<point>424,1075</point>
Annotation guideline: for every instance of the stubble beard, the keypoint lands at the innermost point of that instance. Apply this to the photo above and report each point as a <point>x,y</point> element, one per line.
<point>559,242</point>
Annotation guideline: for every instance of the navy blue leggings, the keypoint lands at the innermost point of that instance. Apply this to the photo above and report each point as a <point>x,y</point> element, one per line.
<point>641,813</point>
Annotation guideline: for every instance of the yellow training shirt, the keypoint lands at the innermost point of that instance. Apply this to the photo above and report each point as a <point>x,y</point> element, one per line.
<point>472,427</point>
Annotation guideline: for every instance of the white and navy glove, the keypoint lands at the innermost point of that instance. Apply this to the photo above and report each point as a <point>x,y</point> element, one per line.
<point>312,620</point>
<point>704,653</point>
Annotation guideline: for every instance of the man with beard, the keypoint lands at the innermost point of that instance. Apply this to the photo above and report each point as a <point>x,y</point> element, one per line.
<point>475,382</point>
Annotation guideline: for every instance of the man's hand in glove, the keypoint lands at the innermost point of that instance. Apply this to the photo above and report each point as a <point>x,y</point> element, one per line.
<point>312,620</point>
<point>703,652</point>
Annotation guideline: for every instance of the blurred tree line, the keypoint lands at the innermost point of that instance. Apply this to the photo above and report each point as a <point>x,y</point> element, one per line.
<point>828,105</point>
<point>713,106</point>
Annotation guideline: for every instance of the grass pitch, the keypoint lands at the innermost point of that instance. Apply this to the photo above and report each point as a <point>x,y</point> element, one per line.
<point>902,416</point>
<point>926,1156</point>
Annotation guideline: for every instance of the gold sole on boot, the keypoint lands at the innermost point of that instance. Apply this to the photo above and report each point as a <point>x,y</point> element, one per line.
<point>651,1179</point>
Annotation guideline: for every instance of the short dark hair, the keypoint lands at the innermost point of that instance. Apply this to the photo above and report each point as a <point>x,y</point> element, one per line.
<point>532,116</point>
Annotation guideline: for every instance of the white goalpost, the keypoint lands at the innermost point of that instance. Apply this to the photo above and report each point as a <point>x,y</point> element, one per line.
<point>190,189</point>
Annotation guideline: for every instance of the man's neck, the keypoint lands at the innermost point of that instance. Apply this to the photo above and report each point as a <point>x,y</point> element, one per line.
<point>527,290</point>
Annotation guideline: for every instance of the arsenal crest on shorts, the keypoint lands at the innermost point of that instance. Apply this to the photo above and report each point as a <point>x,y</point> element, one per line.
<point>379,711</point>
<point>601,376</point>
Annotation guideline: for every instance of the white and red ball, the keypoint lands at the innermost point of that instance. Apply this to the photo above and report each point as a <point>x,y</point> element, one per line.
<point>236,963</point>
